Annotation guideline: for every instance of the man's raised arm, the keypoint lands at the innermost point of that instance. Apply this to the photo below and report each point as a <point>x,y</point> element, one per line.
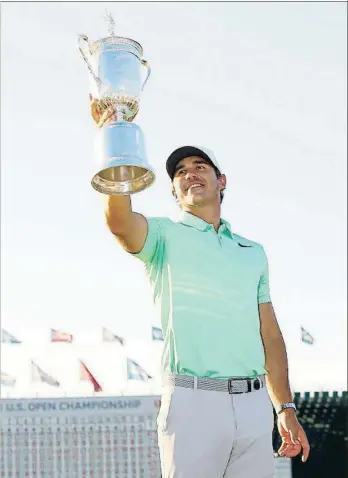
<point>129,228</point>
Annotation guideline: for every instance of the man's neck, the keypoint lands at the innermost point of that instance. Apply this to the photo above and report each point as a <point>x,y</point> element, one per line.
<point>210,214</point>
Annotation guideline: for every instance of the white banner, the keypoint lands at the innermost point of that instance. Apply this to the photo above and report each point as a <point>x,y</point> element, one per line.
<point>79,405</point>
<point>97,437</point>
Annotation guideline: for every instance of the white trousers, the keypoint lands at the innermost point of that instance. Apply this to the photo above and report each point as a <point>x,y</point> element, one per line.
<point>209,434</point>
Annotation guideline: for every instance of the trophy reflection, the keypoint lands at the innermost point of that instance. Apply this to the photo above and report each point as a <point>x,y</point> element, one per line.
<point>118,74</point>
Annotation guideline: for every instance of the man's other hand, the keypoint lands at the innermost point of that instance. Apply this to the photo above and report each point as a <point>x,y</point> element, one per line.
<point>293,436</point>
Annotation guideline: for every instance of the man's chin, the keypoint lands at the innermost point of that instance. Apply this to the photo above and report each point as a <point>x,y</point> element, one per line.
<point>195,200</point>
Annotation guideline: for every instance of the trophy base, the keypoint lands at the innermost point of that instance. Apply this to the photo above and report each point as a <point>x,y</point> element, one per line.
<point>124,168</point>
<point>122,180</point>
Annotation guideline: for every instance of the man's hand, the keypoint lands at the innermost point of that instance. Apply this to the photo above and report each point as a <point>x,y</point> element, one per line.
<point>103,115</point>
<point>293,436</point>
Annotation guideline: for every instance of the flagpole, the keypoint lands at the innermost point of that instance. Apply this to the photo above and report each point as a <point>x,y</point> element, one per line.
<point>306,358</point>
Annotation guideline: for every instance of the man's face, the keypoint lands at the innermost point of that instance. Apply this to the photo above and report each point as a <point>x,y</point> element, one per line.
<point>195,182</point>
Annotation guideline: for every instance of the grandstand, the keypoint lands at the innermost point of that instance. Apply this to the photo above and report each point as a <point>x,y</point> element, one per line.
<point>324,416</point>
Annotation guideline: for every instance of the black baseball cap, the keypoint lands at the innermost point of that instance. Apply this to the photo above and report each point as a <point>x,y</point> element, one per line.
<point>185,152</point>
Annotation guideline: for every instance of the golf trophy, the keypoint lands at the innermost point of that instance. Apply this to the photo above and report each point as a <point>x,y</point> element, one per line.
<point>115,67</point>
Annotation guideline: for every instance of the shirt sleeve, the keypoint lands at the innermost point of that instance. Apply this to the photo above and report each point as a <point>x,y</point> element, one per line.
<point>263,293</point>
<point>154,243</point>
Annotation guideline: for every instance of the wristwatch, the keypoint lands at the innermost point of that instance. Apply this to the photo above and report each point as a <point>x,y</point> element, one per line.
<point>286,405</point>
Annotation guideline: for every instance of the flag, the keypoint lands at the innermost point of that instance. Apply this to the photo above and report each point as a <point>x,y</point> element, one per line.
<point>157,333</point>
<point>7,380</point>
<point>86,374</point>
<point>306,337</point>
<point>58,336</point>
<point>38,375</point>
<point>109,336</point>
<point>135,372</point>
<point>7,338</point>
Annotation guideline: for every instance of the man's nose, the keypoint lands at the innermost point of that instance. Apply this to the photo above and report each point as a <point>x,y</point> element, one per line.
<point>191,174</point>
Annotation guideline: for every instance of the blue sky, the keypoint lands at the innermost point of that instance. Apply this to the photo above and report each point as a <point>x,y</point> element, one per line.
<point>261,84</point>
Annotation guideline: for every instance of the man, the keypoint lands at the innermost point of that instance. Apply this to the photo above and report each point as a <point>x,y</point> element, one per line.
<point>222,342</point>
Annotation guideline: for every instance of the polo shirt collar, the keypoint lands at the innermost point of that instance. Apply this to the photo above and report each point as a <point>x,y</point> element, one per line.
<point>197,223</point>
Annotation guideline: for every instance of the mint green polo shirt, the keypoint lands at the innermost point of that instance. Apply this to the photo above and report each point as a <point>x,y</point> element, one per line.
<point>206,287</point>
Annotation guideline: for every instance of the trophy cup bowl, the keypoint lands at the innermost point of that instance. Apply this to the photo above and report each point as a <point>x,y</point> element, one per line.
<point>115,71</point>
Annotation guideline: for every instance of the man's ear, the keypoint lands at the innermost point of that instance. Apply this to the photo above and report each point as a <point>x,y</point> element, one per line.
<point>222,181</point>
<point>174,193</point>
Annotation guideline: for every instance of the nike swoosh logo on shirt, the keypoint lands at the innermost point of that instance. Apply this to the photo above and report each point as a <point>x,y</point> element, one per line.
<point>243,245</point>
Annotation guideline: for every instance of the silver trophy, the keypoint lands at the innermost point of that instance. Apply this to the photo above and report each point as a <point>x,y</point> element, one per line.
<point>115,67</point>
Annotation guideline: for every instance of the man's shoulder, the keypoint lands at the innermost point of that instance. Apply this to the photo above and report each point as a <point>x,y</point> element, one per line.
<point>163,224</point>
<point>165,221</point>
<point>161,220</point>
<point>167,227</point>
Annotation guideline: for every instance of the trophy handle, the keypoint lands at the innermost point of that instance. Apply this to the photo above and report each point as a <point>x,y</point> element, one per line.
<point>83,44</point>
<point>148,68</point>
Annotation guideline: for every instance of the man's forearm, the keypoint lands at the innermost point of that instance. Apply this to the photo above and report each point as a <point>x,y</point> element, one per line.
<point>276,364</point>
<point>118,211</point>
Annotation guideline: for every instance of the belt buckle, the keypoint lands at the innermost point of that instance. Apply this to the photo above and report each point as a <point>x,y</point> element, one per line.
<point>257,384</point>
<point>230,387</point>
